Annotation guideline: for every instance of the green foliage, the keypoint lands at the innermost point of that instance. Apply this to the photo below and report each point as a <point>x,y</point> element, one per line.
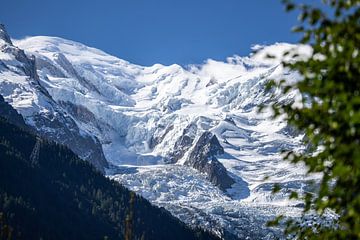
<point>64,197</point>
<point>330,113</point>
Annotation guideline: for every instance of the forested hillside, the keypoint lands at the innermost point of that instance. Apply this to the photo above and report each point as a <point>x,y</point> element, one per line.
<point>47,192</point>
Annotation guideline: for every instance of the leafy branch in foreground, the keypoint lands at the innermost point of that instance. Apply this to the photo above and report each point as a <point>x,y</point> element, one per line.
<point>329,114</point>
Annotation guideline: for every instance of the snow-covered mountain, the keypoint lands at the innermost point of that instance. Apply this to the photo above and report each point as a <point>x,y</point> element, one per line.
<point>186,138</point>
<point>21,86</point>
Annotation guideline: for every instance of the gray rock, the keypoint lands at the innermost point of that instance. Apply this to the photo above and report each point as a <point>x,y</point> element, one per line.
<point>203,158</point>
<point>183,143</point>
<point>10,114</point>
<point>45,63</point>
<point>4,35</point>
<point>62,128</point>
<point>68,67</point>
<point>155,140</point>
<point>56,124</point>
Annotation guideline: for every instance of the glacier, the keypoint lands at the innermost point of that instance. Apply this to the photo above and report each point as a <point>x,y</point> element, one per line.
<point>149,119</point>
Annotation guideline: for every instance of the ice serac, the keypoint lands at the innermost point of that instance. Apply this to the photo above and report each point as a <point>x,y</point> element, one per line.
<point>21,87</point>
<point>183,143</point>
<point>171,133</point>
<point>203,158</point>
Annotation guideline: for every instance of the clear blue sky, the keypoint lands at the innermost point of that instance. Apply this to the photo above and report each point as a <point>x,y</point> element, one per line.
<point>155,31</point>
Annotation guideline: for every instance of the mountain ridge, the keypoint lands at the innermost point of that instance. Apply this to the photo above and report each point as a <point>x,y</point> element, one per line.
<point>22,88</point>
<point>59,196</point>
<point>148,120</point>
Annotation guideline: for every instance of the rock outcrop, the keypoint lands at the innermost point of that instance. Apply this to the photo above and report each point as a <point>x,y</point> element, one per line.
<point>203,158</point>
<point>39,110</point>
<point>11,115</point>
<point>183,143</point>
<point>4,35</point>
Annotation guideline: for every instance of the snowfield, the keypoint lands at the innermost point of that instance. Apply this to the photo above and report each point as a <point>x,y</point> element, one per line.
<point>139,114</point>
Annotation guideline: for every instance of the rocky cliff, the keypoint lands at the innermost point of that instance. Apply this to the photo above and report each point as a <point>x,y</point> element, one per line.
<point>203,158</point>
<point>20,86</point>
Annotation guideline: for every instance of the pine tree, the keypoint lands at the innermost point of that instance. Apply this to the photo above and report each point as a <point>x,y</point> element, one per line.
<point>330,115</point>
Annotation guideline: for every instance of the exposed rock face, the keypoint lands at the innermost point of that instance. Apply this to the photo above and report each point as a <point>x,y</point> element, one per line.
<point>62,128</point>
<point>80,112</point>
<point>39,110</point>
<point>155,140</point>
<point>10,114</point>
<point>203,158</point>
<point>183,144</point>
<point>66,65</point>
<point>4,35</point>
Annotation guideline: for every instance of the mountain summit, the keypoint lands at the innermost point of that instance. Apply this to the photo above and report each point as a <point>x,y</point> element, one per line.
<point>4,35</point>
<point>21,86</point>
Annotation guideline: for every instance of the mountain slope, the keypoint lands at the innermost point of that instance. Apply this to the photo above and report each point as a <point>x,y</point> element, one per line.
<point>106,96</point>
<point>21,87</point>
<point>11,115</point>
<point>48,192</point>
<point>189,138</point>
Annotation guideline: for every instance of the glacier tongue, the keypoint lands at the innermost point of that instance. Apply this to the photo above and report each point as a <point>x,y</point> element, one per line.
<point>148,120</point>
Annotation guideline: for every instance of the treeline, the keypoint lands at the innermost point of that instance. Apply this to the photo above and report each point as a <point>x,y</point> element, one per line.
<point>47,192</point>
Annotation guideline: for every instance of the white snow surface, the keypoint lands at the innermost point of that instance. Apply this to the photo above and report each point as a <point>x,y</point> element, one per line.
<point>132,105</point>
